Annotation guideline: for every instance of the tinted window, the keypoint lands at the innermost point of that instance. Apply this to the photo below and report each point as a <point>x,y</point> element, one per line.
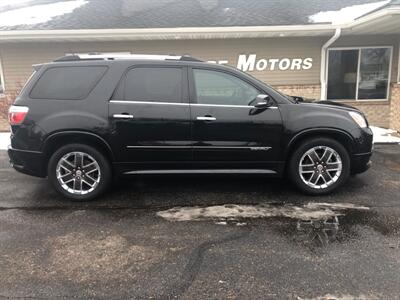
<point>213,87</point>
<point>152,84</point>
<point>342,74</point>
<point>67,83</point>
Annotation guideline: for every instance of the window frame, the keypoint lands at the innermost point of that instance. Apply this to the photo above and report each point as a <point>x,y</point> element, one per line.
<point>398,64</point>
<point>2,81</point>
<point>184,83</point>
<point>358,72</point>
<point>192,86</point>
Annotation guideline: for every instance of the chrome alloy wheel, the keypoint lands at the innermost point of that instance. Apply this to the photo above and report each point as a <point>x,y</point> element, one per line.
<point>78,173</point>
<point>320,167</point>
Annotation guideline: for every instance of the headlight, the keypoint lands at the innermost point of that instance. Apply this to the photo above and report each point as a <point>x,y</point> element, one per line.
<point>358,118</point>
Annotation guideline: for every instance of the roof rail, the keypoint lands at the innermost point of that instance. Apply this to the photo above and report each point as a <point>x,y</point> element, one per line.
<point>80,57</point>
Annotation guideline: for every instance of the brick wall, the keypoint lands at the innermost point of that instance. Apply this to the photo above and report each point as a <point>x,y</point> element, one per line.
<point>5,102</point>
<point>306,91</point>
<point>378,113</point>
<point>395,107</point>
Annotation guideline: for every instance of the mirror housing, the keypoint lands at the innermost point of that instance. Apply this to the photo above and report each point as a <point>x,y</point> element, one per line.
<point>298,98</point>
<point>263,101</point>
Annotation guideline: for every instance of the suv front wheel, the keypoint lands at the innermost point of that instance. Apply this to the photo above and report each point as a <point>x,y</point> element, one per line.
<point>319,165</point>
<point>79,172</point>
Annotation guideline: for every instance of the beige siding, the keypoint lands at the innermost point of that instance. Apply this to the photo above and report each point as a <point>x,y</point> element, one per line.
<point>19,57</point>
<point>17,60</point>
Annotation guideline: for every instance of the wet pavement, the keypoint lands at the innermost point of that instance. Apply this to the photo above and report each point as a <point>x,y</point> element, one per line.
<point>191,237</point>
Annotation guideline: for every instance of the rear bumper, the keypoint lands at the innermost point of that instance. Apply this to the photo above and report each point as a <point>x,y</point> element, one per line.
<point>360,162</point>
<point>27,162</point>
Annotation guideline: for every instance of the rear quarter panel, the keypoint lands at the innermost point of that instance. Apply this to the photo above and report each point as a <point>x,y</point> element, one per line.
<point>48,116</point>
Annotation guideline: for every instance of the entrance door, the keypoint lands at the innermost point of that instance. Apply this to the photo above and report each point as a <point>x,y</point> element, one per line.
<point>228,130</point>
<point>150,117</point>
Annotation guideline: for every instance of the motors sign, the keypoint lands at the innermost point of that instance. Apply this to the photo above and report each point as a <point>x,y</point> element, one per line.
<point>252,63</point>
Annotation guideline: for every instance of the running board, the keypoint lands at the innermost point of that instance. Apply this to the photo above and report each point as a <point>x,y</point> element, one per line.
<point>203,171</point>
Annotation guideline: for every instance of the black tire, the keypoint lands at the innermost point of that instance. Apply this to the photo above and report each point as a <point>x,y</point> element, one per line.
<point>293,168</point>
<point>103,165</point>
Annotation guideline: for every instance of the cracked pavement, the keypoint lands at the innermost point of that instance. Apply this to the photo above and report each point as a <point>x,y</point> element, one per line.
<point>118,248</point>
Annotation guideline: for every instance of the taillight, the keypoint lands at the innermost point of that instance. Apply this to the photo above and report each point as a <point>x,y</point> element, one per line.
<point>17,114</point>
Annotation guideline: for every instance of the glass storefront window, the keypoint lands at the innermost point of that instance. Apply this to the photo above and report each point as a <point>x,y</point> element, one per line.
<point>342,74</point>
<point>358,74</point>
<point>374,73</point>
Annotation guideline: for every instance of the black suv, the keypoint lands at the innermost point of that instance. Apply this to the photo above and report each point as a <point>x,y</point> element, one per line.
<point>82,120</point>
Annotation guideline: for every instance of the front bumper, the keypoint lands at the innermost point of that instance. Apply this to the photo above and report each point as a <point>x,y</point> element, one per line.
<point>27,162</point>
<point>360,162</point>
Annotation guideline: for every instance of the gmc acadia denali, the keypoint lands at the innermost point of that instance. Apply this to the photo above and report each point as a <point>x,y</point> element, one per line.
<point>81,120</point>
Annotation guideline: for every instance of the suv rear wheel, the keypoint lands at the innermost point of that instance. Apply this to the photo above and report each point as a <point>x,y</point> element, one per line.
<point>79,172</point>
<point>319,165</point>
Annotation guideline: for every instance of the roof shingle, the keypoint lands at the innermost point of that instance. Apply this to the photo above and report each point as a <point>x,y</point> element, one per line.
<point>113,14</point>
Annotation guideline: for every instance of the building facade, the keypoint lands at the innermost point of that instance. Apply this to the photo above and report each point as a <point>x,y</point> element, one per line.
<point>356,63</point>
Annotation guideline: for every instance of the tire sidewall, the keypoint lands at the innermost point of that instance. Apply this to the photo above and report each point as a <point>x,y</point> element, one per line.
<point>104,165</point>
<point>307,145</point>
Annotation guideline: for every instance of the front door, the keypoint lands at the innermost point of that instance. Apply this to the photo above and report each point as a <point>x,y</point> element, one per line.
<point>228,130</point>
<point>150,118</point>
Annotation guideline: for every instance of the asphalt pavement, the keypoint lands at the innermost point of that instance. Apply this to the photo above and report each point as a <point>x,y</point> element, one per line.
<point>124,246</point>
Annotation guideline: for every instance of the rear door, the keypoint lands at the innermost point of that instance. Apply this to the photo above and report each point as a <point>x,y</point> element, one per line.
<point>150,117</point>
<point>228,131</point>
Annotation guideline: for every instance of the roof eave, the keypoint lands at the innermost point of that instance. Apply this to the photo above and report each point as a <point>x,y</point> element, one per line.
<point>167,33</point>
<point>187,33</point>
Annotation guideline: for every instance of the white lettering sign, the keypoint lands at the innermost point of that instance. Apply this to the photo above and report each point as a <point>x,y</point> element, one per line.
<point>251,63</point>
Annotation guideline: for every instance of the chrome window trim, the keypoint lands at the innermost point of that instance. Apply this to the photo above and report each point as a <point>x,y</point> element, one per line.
<point>185,104</point>
<point>147,102</point>
<point>223,105</point>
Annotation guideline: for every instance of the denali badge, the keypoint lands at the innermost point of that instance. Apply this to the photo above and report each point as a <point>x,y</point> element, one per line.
<point>260,148</point>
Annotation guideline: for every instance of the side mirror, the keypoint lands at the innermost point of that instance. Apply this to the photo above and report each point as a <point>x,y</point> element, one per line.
<point>263,101</point>
<point>298,98</point>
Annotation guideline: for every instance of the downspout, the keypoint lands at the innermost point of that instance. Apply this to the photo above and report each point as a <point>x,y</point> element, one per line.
<point>323,75</point>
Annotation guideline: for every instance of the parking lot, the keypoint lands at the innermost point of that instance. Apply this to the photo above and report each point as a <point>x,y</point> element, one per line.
<point>252,237</point>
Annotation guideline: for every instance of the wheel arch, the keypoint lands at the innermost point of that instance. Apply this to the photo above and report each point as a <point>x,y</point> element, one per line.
<point>340,136</point>
<point>59,139</point>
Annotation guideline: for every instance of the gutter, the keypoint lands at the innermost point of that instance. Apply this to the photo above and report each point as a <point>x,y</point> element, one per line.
<point>187,33</point>
<point>323,73</point>
<point>181,33</point>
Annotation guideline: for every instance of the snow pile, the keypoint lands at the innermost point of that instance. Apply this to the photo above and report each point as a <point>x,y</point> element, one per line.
<point>310,211</point>
<point>346,14</point>
<point>36,14</point>
<point>4,140</point>
<point>382,135</point>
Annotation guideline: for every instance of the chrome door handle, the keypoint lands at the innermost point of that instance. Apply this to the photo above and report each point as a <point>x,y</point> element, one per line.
<point>122,116</point>
<point>206,118</point>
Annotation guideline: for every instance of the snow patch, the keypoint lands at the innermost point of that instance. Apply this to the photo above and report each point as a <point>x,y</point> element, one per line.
<point>37,14</point>
<point>346,14</point>
<point>4,140</point>
<point>310,211</point>
<point>383,135</point>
